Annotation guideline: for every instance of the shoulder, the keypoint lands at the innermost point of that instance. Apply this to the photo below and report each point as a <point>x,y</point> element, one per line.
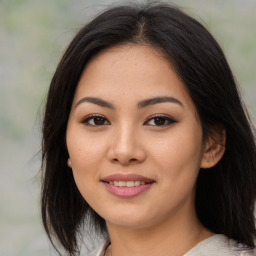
<point>215,245</point>
<point>244,252</point>
<point>100,250</point>
<point>219,245</point>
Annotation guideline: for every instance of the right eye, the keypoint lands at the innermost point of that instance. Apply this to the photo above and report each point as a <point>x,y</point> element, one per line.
<point>95,120</point>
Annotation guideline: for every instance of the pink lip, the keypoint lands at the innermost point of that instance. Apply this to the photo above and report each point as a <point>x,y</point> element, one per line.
<point>127,177</point>
<point>127,192</point>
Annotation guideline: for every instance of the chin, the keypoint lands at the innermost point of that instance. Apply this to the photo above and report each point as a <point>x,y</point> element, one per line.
<point>131,221</point>
<point>128,224</point>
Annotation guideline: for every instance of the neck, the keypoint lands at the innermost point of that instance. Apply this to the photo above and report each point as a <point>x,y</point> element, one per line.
<point>174,237</point>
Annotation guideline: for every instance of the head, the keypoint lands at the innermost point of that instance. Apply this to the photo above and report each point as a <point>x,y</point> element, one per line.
<point>223,183</point>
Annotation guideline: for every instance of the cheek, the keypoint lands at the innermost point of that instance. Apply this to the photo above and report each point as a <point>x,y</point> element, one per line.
<point>84,148</point>
<point>179,155</point>
<point>86,153</point>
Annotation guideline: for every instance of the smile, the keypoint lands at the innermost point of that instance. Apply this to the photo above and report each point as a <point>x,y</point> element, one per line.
<point>127,185</point>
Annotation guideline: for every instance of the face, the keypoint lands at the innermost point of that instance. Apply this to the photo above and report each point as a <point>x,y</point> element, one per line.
<point>134,138</point>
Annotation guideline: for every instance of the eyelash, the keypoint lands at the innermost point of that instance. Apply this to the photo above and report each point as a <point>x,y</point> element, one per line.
<point>91,117</point>
<point>165,118</point>
<point>168,119</point>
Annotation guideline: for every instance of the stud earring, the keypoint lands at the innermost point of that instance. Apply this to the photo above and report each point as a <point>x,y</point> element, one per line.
<point>69,162</point>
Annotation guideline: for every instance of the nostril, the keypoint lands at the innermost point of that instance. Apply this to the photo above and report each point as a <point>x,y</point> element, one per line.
<point>132,160</point>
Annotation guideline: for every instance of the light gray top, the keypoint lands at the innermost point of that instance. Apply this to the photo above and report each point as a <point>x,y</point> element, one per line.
<point>217,245</point>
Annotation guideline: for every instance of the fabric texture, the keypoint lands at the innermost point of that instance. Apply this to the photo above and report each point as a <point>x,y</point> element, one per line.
<point>217,245</point>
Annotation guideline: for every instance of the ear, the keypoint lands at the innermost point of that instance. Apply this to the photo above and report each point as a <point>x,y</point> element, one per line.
<point>69,163</point>
<point>214,147</point>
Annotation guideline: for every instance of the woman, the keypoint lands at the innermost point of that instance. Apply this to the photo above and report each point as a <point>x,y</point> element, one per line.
<point>146,139</point>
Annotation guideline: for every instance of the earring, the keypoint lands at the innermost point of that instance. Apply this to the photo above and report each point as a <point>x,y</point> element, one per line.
<point>69,162</point>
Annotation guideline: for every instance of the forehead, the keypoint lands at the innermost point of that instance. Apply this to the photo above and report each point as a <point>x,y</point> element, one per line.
<point>130,72</point>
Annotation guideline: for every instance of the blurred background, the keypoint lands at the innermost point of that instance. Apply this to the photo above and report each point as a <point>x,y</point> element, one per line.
<point>33,36</point>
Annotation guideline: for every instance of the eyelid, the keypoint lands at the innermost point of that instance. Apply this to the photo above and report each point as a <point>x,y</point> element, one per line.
<point>170,119</point>
<point>91,116</point>
<point>167,117</point>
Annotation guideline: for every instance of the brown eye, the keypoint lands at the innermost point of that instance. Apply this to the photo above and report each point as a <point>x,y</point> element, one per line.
<point>95,121</point>
<point>160,121</point>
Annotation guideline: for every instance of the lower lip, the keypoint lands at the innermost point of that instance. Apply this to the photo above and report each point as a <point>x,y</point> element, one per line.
<point>126,192</point>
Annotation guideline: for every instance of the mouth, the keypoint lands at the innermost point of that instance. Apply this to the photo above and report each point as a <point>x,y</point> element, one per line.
<point>127,185</point>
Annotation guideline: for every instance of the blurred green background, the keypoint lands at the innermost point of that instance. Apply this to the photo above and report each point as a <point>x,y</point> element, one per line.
<point>33,36</point>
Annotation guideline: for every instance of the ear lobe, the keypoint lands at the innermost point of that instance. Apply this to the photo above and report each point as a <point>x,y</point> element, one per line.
<point>214,148</point>
<point>69,163</point>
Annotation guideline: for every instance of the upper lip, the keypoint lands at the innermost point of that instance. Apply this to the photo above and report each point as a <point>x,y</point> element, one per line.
<point>127,177</point>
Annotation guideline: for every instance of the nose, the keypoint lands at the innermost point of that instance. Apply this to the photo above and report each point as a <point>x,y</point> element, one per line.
<point>126,147</point>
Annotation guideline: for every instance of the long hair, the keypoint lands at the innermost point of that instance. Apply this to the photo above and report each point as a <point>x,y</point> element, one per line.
<point>225,193</point>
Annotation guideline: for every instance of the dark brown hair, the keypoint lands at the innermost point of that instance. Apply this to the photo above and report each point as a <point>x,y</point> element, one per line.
<point>226,193</point>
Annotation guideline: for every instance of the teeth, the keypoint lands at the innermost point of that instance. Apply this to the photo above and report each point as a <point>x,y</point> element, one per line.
<point>127,183</point>
<point>130,183</point>
<point>121,183</point>
<point>136,183</point>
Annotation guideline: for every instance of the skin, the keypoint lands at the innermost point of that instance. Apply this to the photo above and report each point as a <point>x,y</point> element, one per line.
<point>128,139</point>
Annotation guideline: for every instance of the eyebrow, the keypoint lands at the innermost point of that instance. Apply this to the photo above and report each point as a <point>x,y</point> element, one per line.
<point>156,100</point>
<point>96,101</point>
<point>141,104</point>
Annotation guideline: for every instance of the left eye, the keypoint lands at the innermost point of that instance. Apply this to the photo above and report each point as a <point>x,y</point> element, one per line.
<point>95,120</point>
<point>160,121</point>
